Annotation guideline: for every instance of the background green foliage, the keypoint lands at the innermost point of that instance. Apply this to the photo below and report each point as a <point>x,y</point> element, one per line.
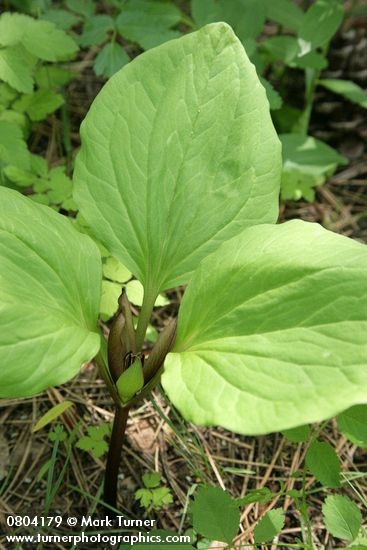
<point>33,86</point>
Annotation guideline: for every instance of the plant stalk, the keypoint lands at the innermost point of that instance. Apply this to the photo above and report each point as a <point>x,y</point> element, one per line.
<point>102,362</point>
<point>121,341</point>
<point>122,337</point>
<point>312,78</point>
<point>144,318</point>
<point>114,456</point>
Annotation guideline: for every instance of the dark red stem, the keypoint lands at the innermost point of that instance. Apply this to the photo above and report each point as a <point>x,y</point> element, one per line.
<point>114,457</point>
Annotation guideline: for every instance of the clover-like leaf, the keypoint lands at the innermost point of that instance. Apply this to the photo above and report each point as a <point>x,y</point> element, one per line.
<point>86,8</point>
<point>272,331</point>
<point>148,22</point>
<point>110,59</point>
<point>152,479</point>
<point>40,38</point>
<point>49,293</point>
<point>95,442</point>
<point>246,17</point>
<point>96,30</point>
<point>182,121</point>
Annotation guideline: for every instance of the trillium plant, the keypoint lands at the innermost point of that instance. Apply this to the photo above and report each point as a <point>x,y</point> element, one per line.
<point>178,177</point>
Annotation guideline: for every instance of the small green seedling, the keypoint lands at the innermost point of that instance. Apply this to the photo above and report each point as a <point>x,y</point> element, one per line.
<point>95,441</point>
<point>178,178</point>
<point>143,23</point>
<point>153,496</point>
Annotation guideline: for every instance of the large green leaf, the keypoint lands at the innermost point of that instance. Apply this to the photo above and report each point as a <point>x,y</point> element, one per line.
<point>272,331</point>
<point>178,154</point>
<point>49,295</point>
